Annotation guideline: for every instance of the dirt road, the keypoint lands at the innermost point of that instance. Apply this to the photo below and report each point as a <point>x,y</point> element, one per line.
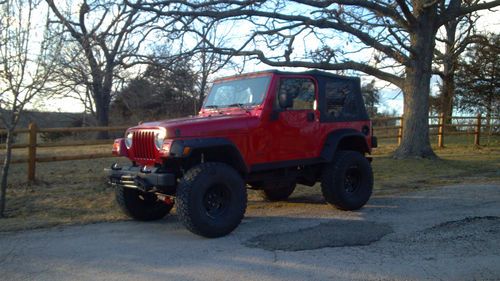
<point>447,233</point>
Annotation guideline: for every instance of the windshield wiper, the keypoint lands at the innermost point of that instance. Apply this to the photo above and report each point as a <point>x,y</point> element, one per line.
<point>216,107</point>
<point>212,106</point>
<point>240,105</point>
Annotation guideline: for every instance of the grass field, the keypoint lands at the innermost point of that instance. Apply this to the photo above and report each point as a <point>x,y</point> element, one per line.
<point>75,192</point>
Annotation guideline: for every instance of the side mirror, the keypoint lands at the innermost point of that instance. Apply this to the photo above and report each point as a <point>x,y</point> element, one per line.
<point>285,100</point>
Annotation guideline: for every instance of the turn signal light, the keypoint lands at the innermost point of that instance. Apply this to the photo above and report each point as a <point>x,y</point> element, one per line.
<point>186,150</point>
<point>165,148</point>
<point>119,148</point>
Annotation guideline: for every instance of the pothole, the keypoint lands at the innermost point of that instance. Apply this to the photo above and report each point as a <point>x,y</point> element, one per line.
<point>329,234</point>
<point>469,221</point>
<point>478,227</point>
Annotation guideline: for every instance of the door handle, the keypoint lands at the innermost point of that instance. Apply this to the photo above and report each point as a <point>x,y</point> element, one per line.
<point>310,116</point>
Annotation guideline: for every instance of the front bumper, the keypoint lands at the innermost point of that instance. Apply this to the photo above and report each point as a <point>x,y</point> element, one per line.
<point>138,177</point>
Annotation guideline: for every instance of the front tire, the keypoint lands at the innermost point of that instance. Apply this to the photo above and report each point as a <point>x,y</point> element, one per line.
<point>211,199</point>
<point>139,205</point>
<point>347,182</point>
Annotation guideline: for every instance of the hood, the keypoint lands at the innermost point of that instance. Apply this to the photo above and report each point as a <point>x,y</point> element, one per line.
<point>201,126</point>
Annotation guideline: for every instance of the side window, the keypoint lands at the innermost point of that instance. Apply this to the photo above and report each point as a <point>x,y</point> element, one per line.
<point>340,100</point>
<point>303,91</point>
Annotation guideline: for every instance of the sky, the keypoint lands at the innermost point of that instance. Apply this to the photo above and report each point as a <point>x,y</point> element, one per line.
<point>391,96</point>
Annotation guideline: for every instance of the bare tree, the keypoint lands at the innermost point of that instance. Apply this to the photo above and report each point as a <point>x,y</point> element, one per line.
<point>165,89</point>
<point>193,42</point>
<point>206,62</point>
<point>109,36</point>
<point>73,78</point>
<point>27,53</point>
<point>399,37</point>
<point>455,35</point>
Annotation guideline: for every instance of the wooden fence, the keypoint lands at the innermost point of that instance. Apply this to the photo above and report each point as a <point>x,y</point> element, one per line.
<point>440,127</point>
<point>33,132</point>
<point>384,128</point>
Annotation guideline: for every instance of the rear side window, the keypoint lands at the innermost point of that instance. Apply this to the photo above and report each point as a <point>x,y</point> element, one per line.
<point>341,101</point>
<point>303,91</point>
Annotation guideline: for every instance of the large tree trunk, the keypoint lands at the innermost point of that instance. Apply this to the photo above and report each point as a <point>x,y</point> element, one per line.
<point>449,65</point>
<point>447,94</point>
<point>5,172</point>
<point>102,112</point>
<point>415,142</point>
<point>489,109</point>
<point>102,96</point>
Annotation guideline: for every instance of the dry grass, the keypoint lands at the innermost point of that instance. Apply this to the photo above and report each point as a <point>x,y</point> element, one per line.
<point>75,192</point>
<point>456,164</point>
<point>65,193</point>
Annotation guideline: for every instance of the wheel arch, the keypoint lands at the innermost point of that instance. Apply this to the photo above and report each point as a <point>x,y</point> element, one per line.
<point>344,139</point>
<point>213,150</point>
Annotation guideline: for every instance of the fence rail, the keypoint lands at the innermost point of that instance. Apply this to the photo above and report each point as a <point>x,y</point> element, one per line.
<point>392,126</point>
<point>441,128</point>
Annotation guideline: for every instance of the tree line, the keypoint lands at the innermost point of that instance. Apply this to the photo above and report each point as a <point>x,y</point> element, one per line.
<point>123,55</point>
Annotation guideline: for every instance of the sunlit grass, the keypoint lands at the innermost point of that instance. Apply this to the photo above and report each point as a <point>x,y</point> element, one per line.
<point>456,164</point>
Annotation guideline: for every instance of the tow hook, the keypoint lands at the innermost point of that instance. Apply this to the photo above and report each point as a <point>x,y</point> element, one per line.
<point>116,167</point>
<point>167,199</point>
<point>142,184</point>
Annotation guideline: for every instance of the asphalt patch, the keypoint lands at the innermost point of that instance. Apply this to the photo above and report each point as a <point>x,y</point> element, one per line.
<point>466,222</point>
<point>336,233</point>
<point>470,228</point>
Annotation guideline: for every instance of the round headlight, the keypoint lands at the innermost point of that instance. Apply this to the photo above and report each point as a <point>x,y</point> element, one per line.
<point>159,138</point>
<point>128,140</point>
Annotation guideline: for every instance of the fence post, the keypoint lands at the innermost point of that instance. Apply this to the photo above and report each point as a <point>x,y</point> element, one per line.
<point>400,130</point>
<point>441,131</point>
<point>477,133</point>
<point>32,151</point>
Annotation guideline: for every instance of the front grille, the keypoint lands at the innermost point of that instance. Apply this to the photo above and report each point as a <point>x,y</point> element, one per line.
<point>143,145</point>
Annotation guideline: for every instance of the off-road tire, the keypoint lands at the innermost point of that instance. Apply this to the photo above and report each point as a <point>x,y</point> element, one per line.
<point>279,192</point>
<point>347,182</point>
<point>147,208</point>
<point>211,199</point>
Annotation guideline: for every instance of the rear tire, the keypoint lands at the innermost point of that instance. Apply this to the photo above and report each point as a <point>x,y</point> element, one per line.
<point>347,182</point>
<point>211,199</point>
<point>281,191</point>
<point>139,205</point>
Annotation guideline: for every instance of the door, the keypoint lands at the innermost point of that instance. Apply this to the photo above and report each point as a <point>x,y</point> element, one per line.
<point>296,128</point>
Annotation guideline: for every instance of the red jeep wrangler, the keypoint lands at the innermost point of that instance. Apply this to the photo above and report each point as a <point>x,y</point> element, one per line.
<point>268,131</point>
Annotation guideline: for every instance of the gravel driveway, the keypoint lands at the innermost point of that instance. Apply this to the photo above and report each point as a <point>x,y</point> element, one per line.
<point>448,233</point>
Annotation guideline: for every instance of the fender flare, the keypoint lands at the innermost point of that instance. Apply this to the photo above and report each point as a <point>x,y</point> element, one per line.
<point>333,140</point>
<point>197,144</point>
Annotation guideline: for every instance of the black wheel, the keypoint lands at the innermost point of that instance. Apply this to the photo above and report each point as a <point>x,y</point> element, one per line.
<point>211,199</point>
<point>139,205</point>
<point>278,191</point>
<point>347,182</point>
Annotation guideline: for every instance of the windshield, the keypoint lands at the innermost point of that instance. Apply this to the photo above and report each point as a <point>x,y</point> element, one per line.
<point>244,92</point>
